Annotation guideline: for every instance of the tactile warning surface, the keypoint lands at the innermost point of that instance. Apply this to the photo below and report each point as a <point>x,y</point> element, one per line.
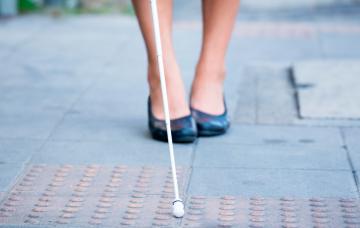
<point>117,196</point>
<point>258,212</point>
<point>92,195</point>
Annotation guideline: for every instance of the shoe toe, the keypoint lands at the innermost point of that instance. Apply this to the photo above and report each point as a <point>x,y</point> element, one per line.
<point>183,130</point>
<point>184,135</point>
<point>210,125</point>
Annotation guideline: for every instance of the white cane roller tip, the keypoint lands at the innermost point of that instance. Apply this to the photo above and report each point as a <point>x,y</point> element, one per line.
<point>178,209</point>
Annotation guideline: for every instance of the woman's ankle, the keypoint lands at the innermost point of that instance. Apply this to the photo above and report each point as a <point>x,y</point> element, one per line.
<point>210,71</point>
<point>207,89</point>
<point>178,105</point>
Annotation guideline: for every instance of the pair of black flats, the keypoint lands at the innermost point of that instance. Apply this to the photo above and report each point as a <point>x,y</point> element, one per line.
<point>186,129</point>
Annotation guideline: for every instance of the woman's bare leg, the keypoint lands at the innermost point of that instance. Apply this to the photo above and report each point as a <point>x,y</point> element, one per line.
<point>218,22</point>
<point>175,87</point>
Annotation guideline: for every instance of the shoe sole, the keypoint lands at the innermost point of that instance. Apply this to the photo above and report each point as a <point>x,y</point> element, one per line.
<point>208,133</point>
<point>184,139</point>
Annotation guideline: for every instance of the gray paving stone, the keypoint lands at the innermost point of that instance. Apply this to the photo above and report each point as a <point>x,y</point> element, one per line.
<point>340,45</point>
<point>285,4</point>
<point>18,151</point>
<point>327,122</point>
<point>276,102</point>
<point>9,172</point>
<point>44,100</point>
<point>265,95</point>
<point>47,74</point>
<point>352,136</point>
<point>101,128</point>
<point>272,183</point>
<point>14,33</point>
<point>112,98</point>
<point>5,51</point>
<point>279,135</point>
<point>246,110</point>
<point>27,126</point>
<point>330,89</point>
<point>270,156</point>
<point>272,49</point>
<point>140,151</point>
<point>108,110</point>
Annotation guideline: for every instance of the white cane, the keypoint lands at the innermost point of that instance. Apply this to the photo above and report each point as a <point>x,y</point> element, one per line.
<point>178,206</point>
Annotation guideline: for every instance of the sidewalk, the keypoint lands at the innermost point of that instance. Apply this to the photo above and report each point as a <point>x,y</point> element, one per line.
<point>75,148</point>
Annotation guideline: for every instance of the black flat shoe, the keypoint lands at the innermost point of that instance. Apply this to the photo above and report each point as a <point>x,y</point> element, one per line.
<point>211,125</point>
<point>183,129</point>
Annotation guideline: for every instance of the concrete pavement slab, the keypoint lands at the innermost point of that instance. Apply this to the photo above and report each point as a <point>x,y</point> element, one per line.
<point>18,151</point>
<point>327,122</point>
<point>246,107</point>
<point>353,145</point>
<point>328,89</point>
<point>271,49</point>
<point>9,173</point>
<point>270,156</point>
<point>14,33</point>
<point>285,4</point>
<point>23,73</point>
<point>28,126</point>
<point>141,151</point>
<point>101,128</point>
<point>42,100</point>
<point>107,112</point>
<point>279,135</point>
<point>343,45</point>
<point>265,95</point>
<point>272,183</point>
<point>276,103</point>
<point>14,156</point>
<point>111,97</point>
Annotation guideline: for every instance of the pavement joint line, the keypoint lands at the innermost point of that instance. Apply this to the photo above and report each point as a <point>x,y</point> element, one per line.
<point>191,170</point>
<point>348,155</point>
<point>14,180</point>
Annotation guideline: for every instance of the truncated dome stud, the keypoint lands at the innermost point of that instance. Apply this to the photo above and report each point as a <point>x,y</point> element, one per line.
<point>178,206</point>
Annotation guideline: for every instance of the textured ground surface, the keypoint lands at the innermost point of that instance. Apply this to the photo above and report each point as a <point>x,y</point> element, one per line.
<point>75,148</point>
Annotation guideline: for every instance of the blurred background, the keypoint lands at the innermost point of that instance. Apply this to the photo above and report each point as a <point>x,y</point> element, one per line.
<point>293,7</point>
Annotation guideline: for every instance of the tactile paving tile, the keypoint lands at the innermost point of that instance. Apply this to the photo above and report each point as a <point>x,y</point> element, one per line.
<point>92,196</point>
<point>258,212</point>
<point>121,196</point>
